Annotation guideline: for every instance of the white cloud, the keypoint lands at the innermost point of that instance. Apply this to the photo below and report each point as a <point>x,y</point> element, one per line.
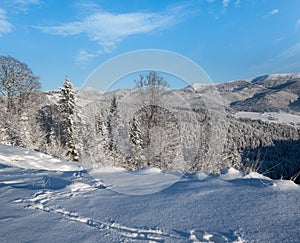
<point>5,26</point>
<point>84,56</point>
<point>109,29</point>
<point>273,11</point>
<point>225,3</point>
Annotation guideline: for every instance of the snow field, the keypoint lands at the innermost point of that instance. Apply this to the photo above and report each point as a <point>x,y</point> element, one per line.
<point>40,205</point>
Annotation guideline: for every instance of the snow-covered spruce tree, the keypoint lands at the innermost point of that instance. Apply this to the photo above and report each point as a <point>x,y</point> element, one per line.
<point>113,122</point>
<point>135,144</point>
<point>102,133</point>
<point>98,141</point>
<point>49,118</point>
<point>67,109</point>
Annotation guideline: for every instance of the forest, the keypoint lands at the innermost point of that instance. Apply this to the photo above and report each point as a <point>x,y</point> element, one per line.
<point>144,126</point>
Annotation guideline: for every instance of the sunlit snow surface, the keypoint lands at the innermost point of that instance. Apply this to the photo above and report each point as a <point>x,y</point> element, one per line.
<point>145,181</point>
<point>47,200</point>
<point>274,117</point>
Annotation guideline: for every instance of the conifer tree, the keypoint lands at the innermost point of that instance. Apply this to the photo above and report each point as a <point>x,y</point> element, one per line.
<point>135,144</point>
<point>102,134</point>
<point>67,109</point>
<point>113,122</point>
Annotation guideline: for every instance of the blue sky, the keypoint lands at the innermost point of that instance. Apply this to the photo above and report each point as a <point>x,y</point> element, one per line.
<point>229,39</point>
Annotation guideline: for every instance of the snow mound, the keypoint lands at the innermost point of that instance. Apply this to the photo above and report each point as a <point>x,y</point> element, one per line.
<point>80,186</point>
<point>105,169</point>
<point>256,175</point>
<point>286,185</point>
<point>144,181</point>
<point>230,174</point>
<point>148,170</point>
<point>202,175</point>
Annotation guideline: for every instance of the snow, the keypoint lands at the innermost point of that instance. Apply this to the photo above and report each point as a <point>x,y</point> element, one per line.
<point>199,86</point>
<point>230,174</point>
<point>140,182</point>
<point>47,200</point>
<point>23,158</point>
<point>279,117</point>
<point>290,75</point>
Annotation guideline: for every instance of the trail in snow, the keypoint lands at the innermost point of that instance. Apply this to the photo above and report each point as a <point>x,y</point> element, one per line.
<point>40,200</point>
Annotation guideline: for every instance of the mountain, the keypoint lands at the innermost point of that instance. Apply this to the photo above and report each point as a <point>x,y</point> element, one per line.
<point>276,92</point>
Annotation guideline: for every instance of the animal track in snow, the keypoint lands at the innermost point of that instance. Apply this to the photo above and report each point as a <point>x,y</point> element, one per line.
<point>214,237</point>
<point>40,200</point>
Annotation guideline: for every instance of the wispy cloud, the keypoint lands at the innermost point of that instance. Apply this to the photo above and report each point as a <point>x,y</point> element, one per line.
<point>226,3</point>
<point>5,26</point>
<point>21,5</point>
<point>286,61</point>
<point>109,29</point>
<point>84,56</point>
<point>273,12</point>
<point>293,51</point>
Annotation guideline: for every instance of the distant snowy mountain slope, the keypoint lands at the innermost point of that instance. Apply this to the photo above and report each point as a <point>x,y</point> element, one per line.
<point>45,204</point>
<point>273,92</point>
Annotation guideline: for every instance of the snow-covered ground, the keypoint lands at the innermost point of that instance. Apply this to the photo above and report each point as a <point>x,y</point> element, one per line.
<point>47,200</point>
<point>279,117</point>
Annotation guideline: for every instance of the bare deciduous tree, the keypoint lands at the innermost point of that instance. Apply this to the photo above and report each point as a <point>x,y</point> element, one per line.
<point>16,79</point>
<point>151,87</point>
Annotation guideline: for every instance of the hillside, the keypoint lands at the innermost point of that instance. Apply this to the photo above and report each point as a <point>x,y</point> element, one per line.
<point>199,128</point>
<point>276,92</point>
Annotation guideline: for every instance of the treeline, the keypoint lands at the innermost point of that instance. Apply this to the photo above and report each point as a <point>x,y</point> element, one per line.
<point>140,128</point>
<point>271,149</point>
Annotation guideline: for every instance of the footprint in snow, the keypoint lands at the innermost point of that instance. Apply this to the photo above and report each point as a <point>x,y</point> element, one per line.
<point>214,237</point>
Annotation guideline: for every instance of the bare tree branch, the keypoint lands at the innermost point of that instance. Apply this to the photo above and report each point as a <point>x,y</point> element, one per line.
<point>16,79</point>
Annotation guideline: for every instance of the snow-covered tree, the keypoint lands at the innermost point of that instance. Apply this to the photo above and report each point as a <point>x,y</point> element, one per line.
<point>67,109</point>
<point>151,87</point>
<point>113,123</point>
<point>102,137</point>
<point>135,144</point>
